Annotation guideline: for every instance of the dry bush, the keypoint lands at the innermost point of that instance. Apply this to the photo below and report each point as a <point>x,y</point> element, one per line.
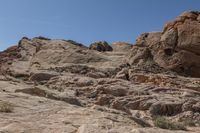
<point>163,123</point>
<point>6,107</point>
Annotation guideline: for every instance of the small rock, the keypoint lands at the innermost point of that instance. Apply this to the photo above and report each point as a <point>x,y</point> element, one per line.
<point>38,77</point>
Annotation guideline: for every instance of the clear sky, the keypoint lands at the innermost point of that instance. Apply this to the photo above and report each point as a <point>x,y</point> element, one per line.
<point>86,21</point>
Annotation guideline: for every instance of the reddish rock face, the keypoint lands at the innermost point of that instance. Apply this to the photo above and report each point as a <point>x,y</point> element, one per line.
<point>178,47</point>
<point>189,36</point>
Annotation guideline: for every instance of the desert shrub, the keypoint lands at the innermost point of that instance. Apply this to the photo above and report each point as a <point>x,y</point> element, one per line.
<point>191,122</point>
<point>163,123</point>
<point>6,107</point>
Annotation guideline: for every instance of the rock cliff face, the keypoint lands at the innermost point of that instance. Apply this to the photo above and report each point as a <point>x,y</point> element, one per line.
<point>177,47</point>
<point>63,86</point>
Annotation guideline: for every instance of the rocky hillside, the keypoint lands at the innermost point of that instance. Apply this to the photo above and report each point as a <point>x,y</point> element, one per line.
<point>61,86</point>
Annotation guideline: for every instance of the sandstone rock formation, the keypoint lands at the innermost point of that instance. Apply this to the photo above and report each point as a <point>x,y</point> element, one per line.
<point>101,46</point>
<point>176,48</point>
<point>63,86</point>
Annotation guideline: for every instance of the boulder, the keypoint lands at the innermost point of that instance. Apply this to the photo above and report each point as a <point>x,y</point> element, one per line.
<point>166,108</point>
<point>101,46</point>
<point>38,77</point>
<point>116,90</point>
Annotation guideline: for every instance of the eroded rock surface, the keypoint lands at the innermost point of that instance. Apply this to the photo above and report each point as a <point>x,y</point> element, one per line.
<point>59,86</point>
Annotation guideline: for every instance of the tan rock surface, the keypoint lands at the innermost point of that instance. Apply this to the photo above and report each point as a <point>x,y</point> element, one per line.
<point>61,86</point>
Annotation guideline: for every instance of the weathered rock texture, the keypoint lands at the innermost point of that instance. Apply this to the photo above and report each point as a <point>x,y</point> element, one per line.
<point>60,86</point>
<point>176,48</point>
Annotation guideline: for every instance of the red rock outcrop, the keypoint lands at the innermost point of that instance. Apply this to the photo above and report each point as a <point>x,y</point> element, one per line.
<point>177,48</point>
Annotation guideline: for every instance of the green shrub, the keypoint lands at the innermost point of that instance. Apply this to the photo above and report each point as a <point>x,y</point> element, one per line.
<point>163,123</point>
<point>6,107</point>
<point>191,123</point>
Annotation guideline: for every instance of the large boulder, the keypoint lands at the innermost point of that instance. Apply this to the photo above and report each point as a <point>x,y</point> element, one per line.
<point>101,46</point>
<point>166,108</point>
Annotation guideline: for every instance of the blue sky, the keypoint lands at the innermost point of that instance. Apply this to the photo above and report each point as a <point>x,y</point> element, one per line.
<point>86,21</point>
